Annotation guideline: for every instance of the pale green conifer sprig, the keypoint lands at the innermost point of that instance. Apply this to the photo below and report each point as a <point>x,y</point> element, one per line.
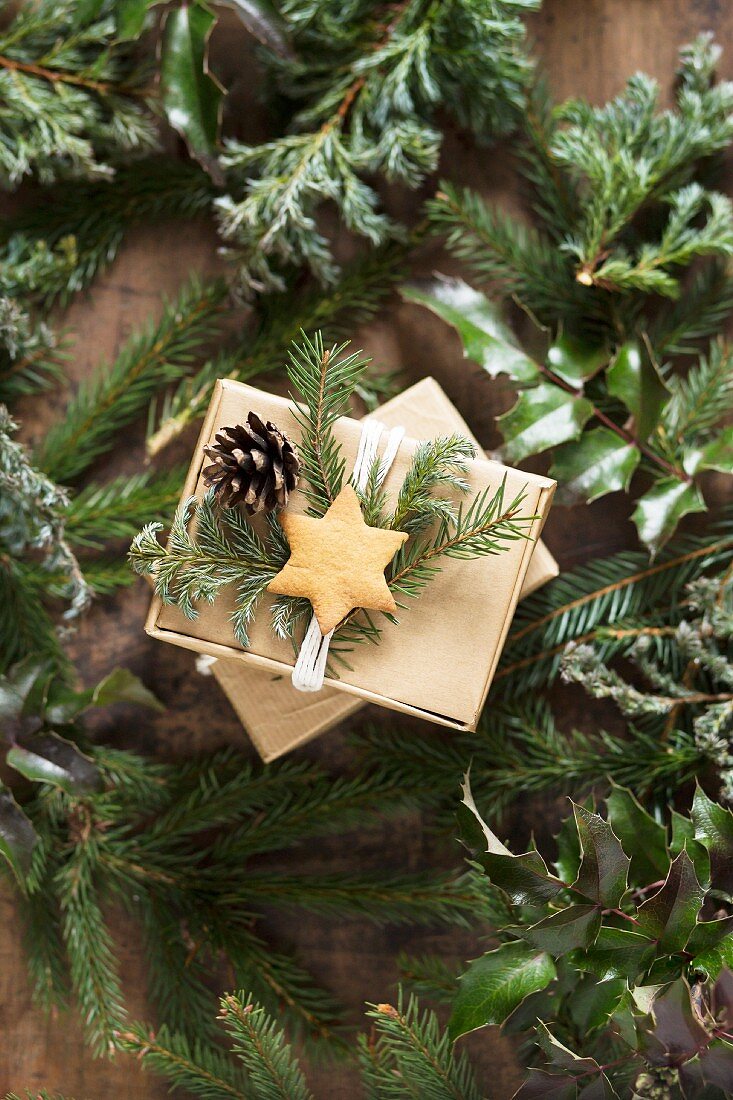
<point>75,100</point>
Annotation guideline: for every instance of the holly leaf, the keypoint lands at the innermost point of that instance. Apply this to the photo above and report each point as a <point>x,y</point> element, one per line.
<point>543,417</point>
<point>709,933</point>
<point>568,1076</point>
<point>599,462</point>
<point>604,866</point>
<point>486,338</point>
<point>22,690</point>
<point>494,985</point>
<point>18,838</point>
<point>711,945</point>
<point>593,1003</point>
<point>130,17</point>
<point>635,381</point>
<point>263,22</point>
<point>683,839</point>
<point>191,97</point>
<point>640,834</point>
<point>714,830</point>
<point>122,686</point>
<point>576,926</point>
<point>541,1085</point>
<point>618,953</point>
<point>676,1028</point>
<point>524,878</point>
<point>568,850</point>
<point>659,510</point>
<point>670,915</point>
<point>48,758</point>
<point>713,1066</point>
<point>575,360</point>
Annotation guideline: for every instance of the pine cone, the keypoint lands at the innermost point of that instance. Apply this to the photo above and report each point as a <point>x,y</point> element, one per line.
<point>254,464</point>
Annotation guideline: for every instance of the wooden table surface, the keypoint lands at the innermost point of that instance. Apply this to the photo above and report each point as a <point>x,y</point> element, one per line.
<point>588,47</point>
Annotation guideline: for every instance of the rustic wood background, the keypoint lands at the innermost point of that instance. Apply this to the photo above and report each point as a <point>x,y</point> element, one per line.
<point>588,47</point>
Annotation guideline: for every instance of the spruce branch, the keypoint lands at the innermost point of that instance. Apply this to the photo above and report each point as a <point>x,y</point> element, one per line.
<point>116,509</point>
<point>324,378</point>
<point>361,289</point>
<point>112,399</point>
<point>259,1044</point>
<point>411,1048</point>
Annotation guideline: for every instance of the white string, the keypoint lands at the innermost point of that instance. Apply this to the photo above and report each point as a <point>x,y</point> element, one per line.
<point>310,668</point>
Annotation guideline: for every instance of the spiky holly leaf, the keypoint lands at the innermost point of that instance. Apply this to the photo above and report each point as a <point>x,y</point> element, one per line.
<point>524,878</point>
<point>486,339</point>
<point>580,1077</point>
<point>604,866</point>
<point>599,462</point>
<point>711,944</point>
<point>575,360</point>
<point>593,1002</point>
<point>18,838</point>
<point>636,382</point>
<point>670,915</point>
<point>494,985</point>
<point>640,834</point>
<point>683,839</point>
<point>617,953</point>
<point>543,417</point>
<point>676,1033</point>
<point>659,511</point>
<point>48,758</point>
<point>262,20</point>
<point>576,926</point>
<point>714,830</point>
<point>191,97</point>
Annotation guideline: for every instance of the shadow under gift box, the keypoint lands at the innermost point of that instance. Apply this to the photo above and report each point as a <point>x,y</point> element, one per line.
<point>438,663</point>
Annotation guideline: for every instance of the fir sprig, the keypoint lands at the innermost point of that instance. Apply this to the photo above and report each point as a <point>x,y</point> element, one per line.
<point>324,379</point>
<point>410,1056</point>
<point>110,400</point>
<point>361,289</point>
<point>175,842</point>
<point>86,223</point>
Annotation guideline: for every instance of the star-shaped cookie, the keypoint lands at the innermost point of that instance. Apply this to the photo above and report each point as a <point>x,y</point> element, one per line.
<point>337,562</point>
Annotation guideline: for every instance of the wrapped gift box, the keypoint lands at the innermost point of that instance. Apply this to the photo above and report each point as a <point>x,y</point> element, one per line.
<point>437,664</point>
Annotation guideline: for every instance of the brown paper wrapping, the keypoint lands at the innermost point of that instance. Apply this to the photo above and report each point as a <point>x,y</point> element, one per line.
<point>437,664</point>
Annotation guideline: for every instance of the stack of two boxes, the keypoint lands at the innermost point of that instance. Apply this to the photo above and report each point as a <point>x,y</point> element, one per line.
<point>438,663</point>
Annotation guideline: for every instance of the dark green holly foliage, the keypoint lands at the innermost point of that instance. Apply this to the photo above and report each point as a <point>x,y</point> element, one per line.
<point>176,846</point>
<point>407,1055</point>
<point>625,273</point>
<point>365,83</point>
<point>74,100</point>
<point>611,605</point>
<point>40,724</point>
<point>623,950</point>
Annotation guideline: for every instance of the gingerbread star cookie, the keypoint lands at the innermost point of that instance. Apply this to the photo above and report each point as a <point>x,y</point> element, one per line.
<point>337,562</point>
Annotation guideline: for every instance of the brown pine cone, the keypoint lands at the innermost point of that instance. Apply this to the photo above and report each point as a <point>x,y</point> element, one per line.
<point>254,464</point>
